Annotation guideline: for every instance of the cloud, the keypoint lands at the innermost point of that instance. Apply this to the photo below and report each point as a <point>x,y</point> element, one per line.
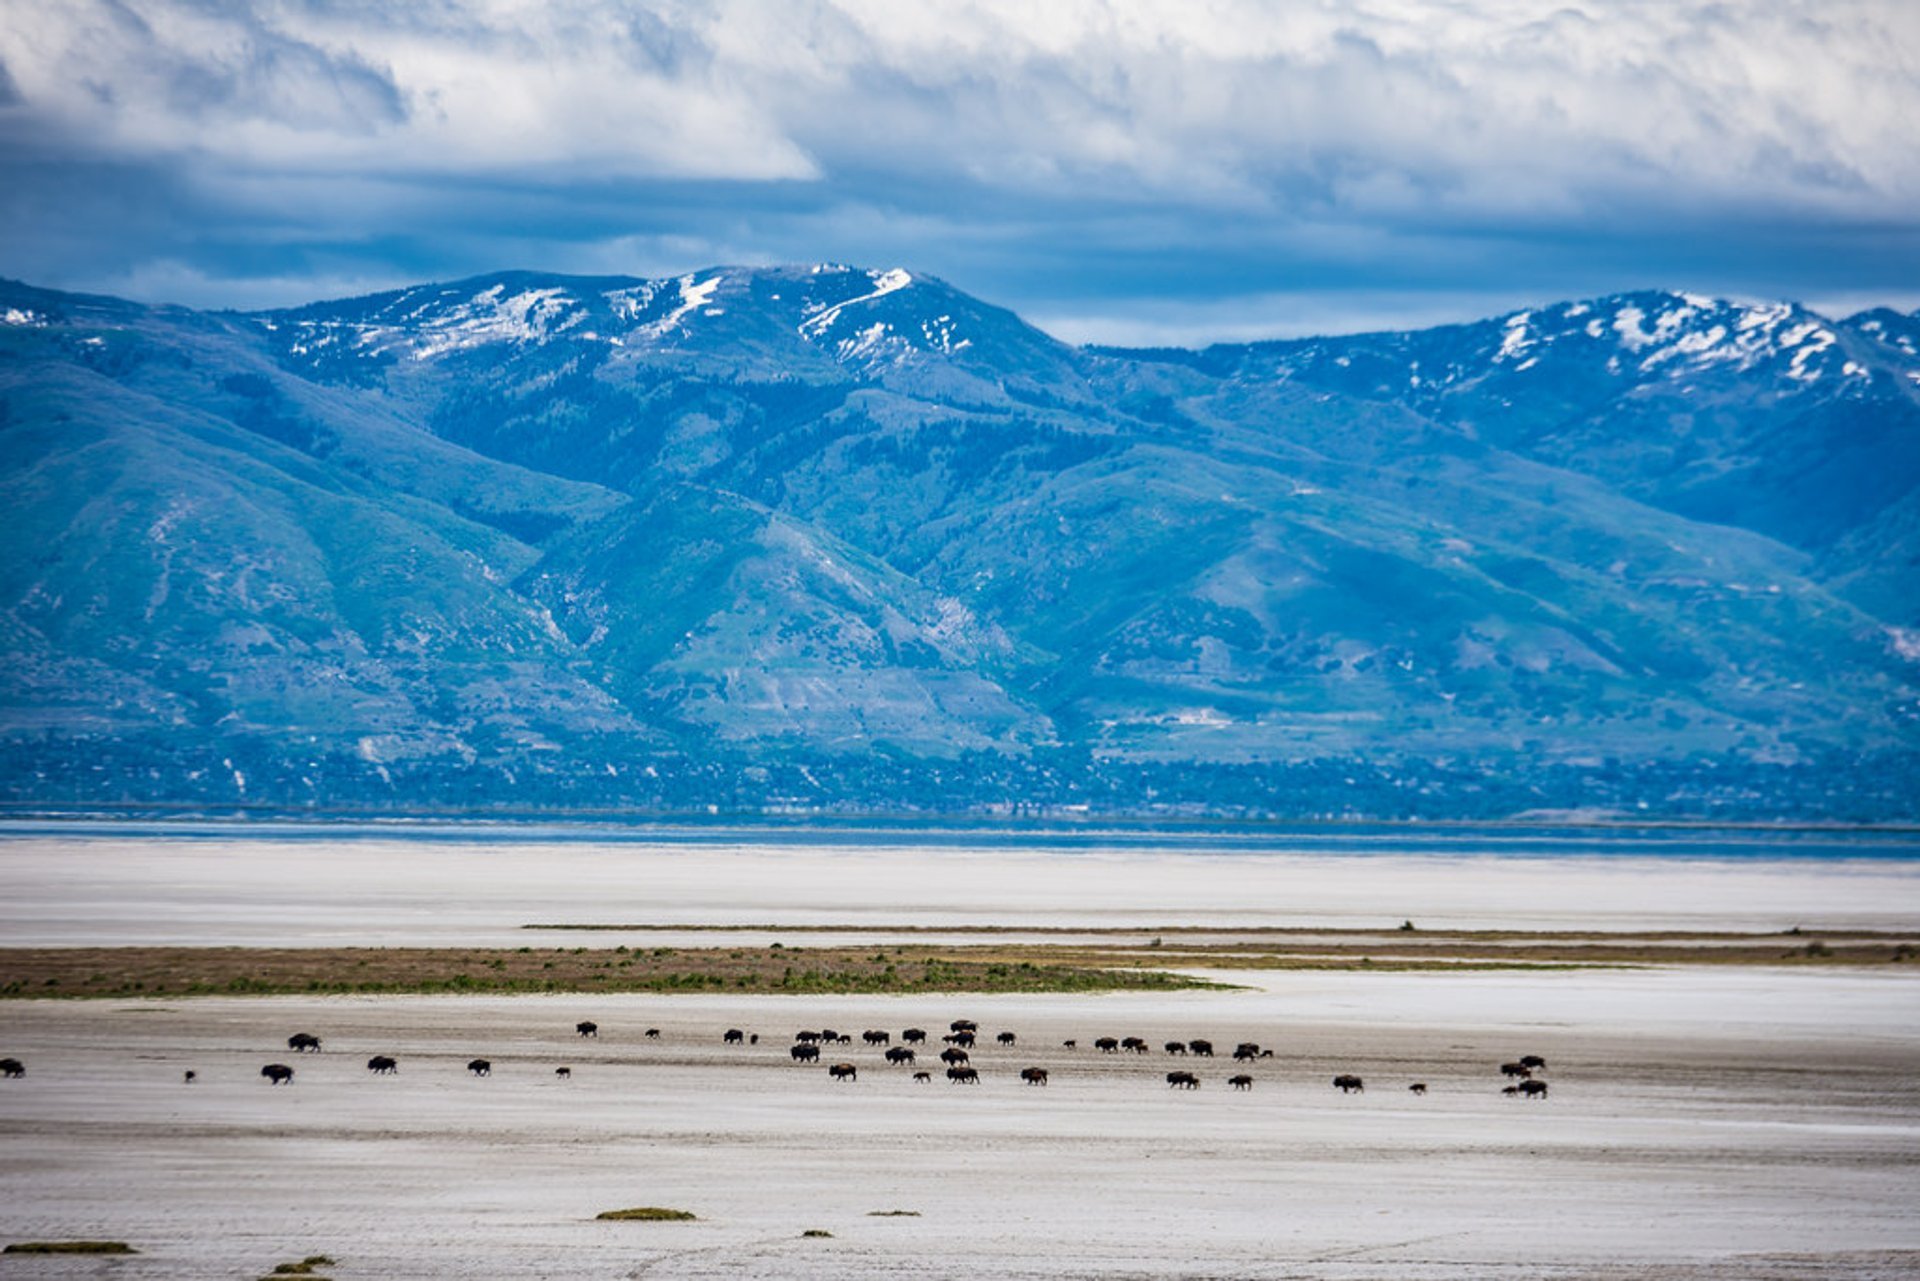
<point>1052,156</point>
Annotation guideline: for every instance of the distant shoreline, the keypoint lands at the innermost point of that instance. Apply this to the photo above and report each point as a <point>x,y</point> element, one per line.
<point>1512,838</point>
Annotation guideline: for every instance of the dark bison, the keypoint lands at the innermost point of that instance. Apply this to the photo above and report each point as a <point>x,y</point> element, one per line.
<point>805,1052</point>
<point>277,1073</point>
<point>807,1038</point>
<point>1005,1038</point>
<point>301,1042</point>
<point>1070,1045</point>
<point>1520,1070</point>
<point>1533,1089</point>
<point>652,1034</point>
<point>1107,1044</point>
<point>963,1076</point>
<point>844,1072</point>
<point>1533,1062</point>
<point>12,1068</point>
<point>1175,1047</point>
<point>827,1034</point>
<point>1241,1082</point>
<point>876,1038</point>
<point>1034,1076</point>
<point>733,1037</point>
<point>953,1054</point>
<point>1202,1048</point>
<point>1182,1081</point>
<point>1246,1050</point>
<point>383,1065</point>
<point>564,1073</point>
<point>963,1025</point>
<point>1511,1089</point>
<point>587,1028</point>
<point>191,1076</point>
<point>480,1067</point>
<point>1418,1087</point>
<point>914,1036</point>
<point>1135,1045</point>
<point>899,1054</point>
<point>1347,1083</point>
<point>963,1039</point>
<point>923,1077</point>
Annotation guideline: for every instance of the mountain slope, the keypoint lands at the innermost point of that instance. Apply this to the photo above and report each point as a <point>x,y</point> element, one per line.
<point>532,528</point>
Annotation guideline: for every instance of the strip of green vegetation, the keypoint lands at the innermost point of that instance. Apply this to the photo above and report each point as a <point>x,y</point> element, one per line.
<point>122,973</point>
<point>69,1247</point>
<point>304,1268</point>
<point>647,1214</point>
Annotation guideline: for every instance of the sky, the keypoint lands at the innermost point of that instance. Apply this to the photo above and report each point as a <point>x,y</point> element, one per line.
<point>1123,171</point>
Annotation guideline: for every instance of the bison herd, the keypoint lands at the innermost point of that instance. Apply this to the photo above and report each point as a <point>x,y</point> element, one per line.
<point>961,1038</point>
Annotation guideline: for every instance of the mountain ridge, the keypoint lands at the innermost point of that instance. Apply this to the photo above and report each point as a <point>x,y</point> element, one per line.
<point>518,525</point>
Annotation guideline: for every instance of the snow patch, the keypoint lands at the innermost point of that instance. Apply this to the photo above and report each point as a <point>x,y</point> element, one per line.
<point>15,316</point>
<point>884,283</point>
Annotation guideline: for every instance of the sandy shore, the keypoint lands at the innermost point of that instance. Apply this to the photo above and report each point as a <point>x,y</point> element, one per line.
<point>1703,1122</point>
<point>376,892</point>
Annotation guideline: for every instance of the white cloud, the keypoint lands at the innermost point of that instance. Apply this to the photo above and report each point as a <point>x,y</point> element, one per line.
<point>1374,137</point>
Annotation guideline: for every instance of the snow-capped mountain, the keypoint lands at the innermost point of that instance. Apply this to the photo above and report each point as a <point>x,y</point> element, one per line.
<point>532,527</point>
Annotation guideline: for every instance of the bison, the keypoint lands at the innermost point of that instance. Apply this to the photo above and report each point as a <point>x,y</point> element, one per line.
<point>1520,1070</point>
<point>899,1054</point>
<point>1418,1087</point>
<point>1241,1082</point>
<point>1069,1045</point>
<point>1203,1049</point>
<point>963,1076</point>
<point>923,1077</point>
<point>733,1037</point>
<point>1533,1089</point>
<point>1347,1083</point>
<point>876,1038</point>
<point>963,1025</point>
<point>843,1072</point>
<point>383,1065</point>
<point>191,1076</point>
<point>807,1038</point>
<point>652,1034</point>
<point>1533,1062</point>
<point>962,1039</point>
<point>12,1069</point>
<point>1034,1075</point>
<point>805,1052</point>
<point>277,1073</point>
<point>1134,1045</point>
<point>480,1067</point>
<point>1005,1038</point>
<point>914,1036</point>
<point>953,1054</point>
<point>302,1042</point>
<point>831,1037</point>
<point>1246,1050</point>
<point>1182,1081</point>
<point>1107,1044</point>
<point>1175,1047</point>
<point>587,1027</point>
<point>564,1073</point>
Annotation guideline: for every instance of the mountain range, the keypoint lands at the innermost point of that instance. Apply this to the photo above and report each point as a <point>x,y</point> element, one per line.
<point>824,537</point>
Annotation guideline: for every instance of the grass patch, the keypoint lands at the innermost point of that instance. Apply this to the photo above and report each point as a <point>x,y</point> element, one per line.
<point>1130,961</point>
<point>893,1214</point>
<point>69,1247</point>
<point>816,1232</point>
<point>188,971</point>
<point>647,1214</point>
<point>304,1268</point>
